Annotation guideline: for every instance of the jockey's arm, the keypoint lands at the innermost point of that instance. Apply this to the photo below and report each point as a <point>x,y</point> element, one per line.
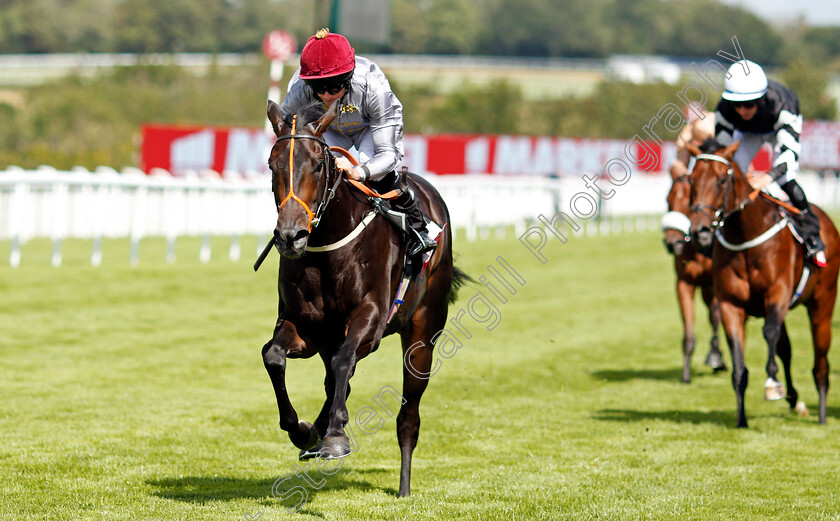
<point>386,155</point>
<point>787,148</point>
<point>383,114</point>
<point>384,111</point>
<point>724,130</point>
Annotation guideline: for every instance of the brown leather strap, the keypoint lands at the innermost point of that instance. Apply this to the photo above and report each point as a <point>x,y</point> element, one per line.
<point>756,191</point>
<point>789,207</point>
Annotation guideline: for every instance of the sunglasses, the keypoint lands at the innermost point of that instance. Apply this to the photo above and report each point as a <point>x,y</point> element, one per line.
<point>330,86</point>
<point>746,104</point>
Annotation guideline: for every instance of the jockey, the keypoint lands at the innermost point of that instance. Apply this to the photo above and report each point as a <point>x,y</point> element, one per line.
<point>369,118</point>
<point>755,110</point>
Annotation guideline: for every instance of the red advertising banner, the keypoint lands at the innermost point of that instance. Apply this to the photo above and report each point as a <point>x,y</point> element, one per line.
<point>245,151</point>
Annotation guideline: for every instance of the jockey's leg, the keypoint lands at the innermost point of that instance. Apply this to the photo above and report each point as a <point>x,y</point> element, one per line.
<point>418,235</point>
<point>809,223</point>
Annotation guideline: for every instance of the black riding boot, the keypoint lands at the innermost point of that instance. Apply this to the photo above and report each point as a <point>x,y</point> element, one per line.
<point>418,236</point>
<point>809,223</point>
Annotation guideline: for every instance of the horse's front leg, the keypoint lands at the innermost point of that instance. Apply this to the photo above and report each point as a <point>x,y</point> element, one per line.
<point>685,294</point>
<point>323,420</point>
<point>284,343</point>
<point>734,318</point>
<point>776,304</point>
<point>363,333</point>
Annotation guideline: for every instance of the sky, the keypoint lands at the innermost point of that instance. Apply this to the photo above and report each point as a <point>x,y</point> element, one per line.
<point>816,12</point>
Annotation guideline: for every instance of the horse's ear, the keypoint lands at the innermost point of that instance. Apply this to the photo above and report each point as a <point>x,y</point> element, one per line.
<point>729,151</point>
<point>320,126</point>
<point>693,149</point>
<point>275,117</point>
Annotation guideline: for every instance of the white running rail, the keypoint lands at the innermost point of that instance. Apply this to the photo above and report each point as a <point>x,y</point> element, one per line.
<point>47,203</point>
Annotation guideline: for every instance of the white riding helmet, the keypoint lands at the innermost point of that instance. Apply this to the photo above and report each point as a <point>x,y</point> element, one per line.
<point>745,81</point>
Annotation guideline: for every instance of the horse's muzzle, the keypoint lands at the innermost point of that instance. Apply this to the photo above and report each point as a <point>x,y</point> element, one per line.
<point>702,236</point>
<point>675,247</point>
<point>676,239</point>
<point>291,243</point>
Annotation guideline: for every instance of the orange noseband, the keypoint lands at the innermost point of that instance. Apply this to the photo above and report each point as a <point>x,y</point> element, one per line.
<point>309,214</point>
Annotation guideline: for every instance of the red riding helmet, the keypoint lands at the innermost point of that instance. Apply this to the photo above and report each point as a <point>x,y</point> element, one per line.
<point>326,55</point>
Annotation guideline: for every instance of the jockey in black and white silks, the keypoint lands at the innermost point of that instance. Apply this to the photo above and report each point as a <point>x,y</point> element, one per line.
<point>754,111</point>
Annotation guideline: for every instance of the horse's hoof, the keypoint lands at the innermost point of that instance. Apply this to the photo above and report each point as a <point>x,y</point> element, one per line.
<point>715,361</point>
<point>309,454</point>
<point>801,409</point>
<point>312,448</point>
<point>313,439</point>
<point>334,448</point>
<point>774,390</point>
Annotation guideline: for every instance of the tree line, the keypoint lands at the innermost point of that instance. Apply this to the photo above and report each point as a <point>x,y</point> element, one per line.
<point>540,28</point>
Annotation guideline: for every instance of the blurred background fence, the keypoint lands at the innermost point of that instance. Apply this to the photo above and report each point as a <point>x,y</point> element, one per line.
<point>105,204</point>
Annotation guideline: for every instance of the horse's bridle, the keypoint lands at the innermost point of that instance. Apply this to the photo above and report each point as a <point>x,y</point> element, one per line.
<point>719,217</point>
<point>327,164</point>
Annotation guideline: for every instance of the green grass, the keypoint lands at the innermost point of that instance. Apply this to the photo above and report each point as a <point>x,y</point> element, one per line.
<point>139,393</point>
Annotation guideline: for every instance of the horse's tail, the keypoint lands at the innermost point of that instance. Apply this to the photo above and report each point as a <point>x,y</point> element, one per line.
<point>459,278</point>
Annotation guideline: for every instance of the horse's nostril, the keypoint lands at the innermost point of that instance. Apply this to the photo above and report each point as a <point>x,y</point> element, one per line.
<point>301,234</point>
<point>290,242</point>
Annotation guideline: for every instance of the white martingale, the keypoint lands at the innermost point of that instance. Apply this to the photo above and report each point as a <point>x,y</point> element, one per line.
<point>349,238</point>
<point>764,237</point>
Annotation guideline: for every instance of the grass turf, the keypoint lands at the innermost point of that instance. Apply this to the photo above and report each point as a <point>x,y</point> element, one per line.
<point>139,393</point>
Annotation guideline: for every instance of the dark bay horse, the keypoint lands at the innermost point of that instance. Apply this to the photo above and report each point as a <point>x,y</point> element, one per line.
<point>339,272</point>
<point>694,270</point>
<point>758,271</point>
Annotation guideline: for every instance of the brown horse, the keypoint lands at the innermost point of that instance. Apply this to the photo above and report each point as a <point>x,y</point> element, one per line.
<point>693,270</point>
<point>758,271</point>
<point>340,269</point>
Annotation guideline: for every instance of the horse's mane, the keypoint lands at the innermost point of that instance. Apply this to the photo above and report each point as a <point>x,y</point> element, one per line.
<point>306,114</point>
<point>710,146</point>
